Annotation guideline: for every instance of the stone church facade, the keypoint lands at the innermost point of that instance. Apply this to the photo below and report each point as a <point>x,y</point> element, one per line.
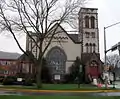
<point>65,47</point>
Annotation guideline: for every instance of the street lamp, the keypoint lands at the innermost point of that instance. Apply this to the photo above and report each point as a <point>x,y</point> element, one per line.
<point>105,51</point>
<point>113,79</point>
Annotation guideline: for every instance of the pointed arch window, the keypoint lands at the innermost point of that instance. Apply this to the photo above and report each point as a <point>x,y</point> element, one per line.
<point>86,21</point>
<point>92,22</point>
<point>87,46</point>
<point>90,47</point>
<point>94,47</point>
<point>56,60</point>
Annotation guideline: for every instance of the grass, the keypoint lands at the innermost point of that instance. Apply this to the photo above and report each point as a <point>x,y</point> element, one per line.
<point>56,87</point>
<point>68,87</point>
<point>56,97</point>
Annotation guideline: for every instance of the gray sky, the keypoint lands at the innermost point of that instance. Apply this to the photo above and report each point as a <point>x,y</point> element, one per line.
<point>108,12</point>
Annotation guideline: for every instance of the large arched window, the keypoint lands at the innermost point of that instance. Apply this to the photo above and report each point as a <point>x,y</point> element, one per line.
<point>86,47</point>
<point>87,21</point>
<point>92,22</point>
<point>56,61</point>
<point>94,47</point>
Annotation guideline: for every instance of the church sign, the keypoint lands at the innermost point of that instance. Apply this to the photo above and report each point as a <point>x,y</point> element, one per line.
<point>57,77</point>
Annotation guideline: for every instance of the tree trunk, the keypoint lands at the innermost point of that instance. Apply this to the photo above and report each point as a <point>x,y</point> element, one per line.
<point>38,75</point>
<point>39,66</point>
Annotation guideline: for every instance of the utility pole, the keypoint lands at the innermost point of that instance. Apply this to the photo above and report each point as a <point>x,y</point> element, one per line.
<point>105,51</point>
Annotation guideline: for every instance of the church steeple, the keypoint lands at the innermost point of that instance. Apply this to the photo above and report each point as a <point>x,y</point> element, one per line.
<point>88,30</point>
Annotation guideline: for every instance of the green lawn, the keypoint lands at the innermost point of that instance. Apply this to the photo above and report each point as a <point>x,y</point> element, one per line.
<point>68,87</point>
<point>55,97</point>
<point>56,87</point>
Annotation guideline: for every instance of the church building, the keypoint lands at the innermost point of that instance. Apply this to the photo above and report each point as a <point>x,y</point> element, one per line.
<point>65,47</point>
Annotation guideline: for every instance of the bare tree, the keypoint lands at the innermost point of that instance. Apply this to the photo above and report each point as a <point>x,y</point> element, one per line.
<point>39,16</point>
<point>113,60</point>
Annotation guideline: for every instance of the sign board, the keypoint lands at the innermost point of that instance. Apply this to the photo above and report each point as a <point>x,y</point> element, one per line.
<point>57,77</point>
<point>19,79</point>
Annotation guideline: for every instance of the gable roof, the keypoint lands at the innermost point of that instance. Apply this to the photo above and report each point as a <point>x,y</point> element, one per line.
<point>73,37</point>
<point>87,57</point>
<point>26,58</point>
<point>9,55</point>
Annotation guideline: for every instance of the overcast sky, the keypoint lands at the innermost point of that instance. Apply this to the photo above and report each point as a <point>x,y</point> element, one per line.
<point>108,12</point>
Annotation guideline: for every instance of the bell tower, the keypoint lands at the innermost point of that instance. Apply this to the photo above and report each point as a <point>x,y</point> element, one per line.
<point>88,30</point>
